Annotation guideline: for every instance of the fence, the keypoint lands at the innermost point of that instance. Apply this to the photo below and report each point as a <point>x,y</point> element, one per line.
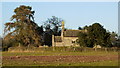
<point>60,49</point>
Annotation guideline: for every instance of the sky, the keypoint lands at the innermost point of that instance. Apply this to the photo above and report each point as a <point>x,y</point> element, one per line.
<point>74,14</point>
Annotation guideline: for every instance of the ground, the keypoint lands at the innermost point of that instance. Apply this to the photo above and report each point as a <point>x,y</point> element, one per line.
<point>54,58</point>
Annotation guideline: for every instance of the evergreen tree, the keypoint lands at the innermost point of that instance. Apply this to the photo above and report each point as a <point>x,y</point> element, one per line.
<point>23,28</point>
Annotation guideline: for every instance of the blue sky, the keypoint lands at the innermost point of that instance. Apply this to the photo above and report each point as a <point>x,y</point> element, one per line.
<point>74,14</point>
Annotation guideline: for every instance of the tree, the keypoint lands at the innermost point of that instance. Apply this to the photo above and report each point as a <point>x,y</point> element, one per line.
<point>8,41</point>
<point>54,24</point>
<point>115,39</point>
<point>96,35</point>
<point>82,39</point>
<point>79,28</point>
<point>52,27</point>
<point>47,38</point>
<point>1,42</point>
<point>23,28</point>
<point>99,35</point>
<point>85,27</point>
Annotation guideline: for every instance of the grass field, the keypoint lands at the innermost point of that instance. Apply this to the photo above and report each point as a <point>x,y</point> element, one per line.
<point>52,53</point>
<point>55,58</point>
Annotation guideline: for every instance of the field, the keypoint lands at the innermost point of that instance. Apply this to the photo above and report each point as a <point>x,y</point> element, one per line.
<point>56,58</point>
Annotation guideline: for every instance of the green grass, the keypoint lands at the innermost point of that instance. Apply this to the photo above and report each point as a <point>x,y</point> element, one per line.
<point>52,53</point>
<point>101,63</point>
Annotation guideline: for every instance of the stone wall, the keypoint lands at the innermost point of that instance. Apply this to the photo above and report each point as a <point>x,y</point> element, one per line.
<point>71,38</point>
<point>67,41</point>
<point>58,44</point>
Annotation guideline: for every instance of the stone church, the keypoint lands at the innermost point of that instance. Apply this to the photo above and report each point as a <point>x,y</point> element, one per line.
<point>67,38</point>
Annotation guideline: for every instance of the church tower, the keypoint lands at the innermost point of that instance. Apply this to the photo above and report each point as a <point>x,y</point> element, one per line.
<point>62,32</point>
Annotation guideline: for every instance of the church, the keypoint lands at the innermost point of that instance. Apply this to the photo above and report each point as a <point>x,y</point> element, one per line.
<point>68,37</point>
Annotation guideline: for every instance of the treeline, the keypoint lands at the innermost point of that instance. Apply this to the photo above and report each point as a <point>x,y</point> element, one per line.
<point>23,31</point>
<point>97,35</point>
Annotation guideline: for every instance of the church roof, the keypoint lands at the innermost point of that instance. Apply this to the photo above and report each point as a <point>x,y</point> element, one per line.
<point>71,33</point>
<point>68,33</point>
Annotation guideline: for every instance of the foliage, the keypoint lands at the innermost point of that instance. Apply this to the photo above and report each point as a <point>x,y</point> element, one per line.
<point>82,39</point>
<point>114,38</point>
<point>96,35</point>
<point>47,37</point>
<point>79,28</point>
<point>54,24</point>
<point>52,27</point>
<point>23,29</point>
<point>1,42</point>
<point>85,27</point>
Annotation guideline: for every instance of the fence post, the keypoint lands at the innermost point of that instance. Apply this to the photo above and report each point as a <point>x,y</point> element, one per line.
<point>95,49</point>
<point>53,42</point>
<point>105,49</point>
